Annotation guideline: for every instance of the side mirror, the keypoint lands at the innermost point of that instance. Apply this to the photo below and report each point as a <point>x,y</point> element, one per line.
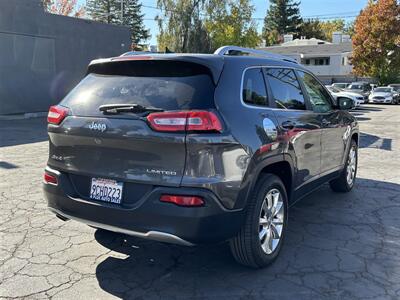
<point>344,103</point>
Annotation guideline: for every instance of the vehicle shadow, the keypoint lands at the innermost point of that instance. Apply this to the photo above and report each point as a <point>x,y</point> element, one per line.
<point>362,118</point>
<point>367,108</point>
<point>25,131</point>
<point>373,141</point>
<point>330,238</point>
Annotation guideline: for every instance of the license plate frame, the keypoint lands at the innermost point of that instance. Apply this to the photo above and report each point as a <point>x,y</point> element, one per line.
<point>106,190</point>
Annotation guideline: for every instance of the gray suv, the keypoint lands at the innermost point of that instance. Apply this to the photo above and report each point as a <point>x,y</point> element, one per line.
<point>194,149</point>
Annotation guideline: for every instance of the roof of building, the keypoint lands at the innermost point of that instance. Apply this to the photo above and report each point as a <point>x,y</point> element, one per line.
<point>305,42</point>
<point>320,49</point>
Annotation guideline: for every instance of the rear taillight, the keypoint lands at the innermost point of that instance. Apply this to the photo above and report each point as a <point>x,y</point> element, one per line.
<point>180,200</point>
<point>49,178</point>
<point>185,121</point>
<point>57,114</point>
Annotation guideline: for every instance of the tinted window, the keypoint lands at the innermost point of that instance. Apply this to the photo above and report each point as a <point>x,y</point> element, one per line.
<point>285,89</point>
<point>177,87</point>
<point>383,90</point>
<point>254,90</point>
<point>319,97</point>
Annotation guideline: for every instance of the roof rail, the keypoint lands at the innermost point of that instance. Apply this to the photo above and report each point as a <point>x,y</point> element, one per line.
<point>235,50</point>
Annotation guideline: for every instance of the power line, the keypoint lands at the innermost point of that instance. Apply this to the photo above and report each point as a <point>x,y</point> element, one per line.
<point>332,14</point>
<point>332,18</point>
<point>339,15</point>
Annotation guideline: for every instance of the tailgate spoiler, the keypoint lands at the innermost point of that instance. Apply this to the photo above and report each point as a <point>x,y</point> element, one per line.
<point>214,63</point>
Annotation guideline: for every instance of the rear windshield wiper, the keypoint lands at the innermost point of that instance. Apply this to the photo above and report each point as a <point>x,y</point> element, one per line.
<point>121,108</point>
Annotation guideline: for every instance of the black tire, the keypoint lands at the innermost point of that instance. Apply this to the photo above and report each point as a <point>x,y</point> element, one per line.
<point>246,247</point>
<point>341,184</point>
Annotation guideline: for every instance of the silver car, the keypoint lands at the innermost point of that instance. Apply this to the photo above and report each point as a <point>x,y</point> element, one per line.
<point>385,94</point>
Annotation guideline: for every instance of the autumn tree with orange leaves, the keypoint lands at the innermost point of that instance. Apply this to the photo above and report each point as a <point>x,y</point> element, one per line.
<point>64,7</point>
<point>376,41</point>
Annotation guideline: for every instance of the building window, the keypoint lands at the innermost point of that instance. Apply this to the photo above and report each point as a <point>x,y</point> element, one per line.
<point>323,61</point>
<point>307,61</point>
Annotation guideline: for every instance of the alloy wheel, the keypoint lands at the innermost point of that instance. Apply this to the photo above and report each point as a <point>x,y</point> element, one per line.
<point>351,166</point>
<point>271,221</point>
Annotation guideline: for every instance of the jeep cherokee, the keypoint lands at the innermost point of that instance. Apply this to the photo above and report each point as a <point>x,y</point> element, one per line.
<point>197,148</point>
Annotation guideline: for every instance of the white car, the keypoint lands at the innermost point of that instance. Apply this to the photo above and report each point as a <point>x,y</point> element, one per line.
<point>385,94</point>
<point>357,98</point>
<point>340,85</point>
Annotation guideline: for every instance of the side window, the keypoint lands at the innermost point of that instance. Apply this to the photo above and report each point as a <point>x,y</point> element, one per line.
<point>285,88</point>
<point>254,90</point>
<point>319,97</point>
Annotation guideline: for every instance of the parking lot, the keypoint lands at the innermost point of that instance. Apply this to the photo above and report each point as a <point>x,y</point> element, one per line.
<point>338,245</point>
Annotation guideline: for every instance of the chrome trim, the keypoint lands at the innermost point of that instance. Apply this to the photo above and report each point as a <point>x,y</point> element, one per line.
<point>151,235</point>
<point>260,106</point>
<point>295,69</point>
<point>224,50</point>
<point>55,172</point>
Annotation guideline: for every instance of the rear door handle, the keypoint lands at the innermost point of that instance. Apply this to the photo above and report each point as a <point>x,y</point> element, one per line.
<point>288,125</point>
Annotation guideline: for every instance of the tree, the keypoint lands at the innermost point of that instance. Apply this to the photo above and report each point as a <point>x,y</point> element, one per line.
<point>349,29</point>
<point>181,28</point>
<point>376,41</point>
<point>109,11</point>
<point>64,7</point>
<point>312,29</point>
<point>273,37</point>
<point>204,25</point>
<point>323,30</point>
<point>134,19</point>
<point>230,23</point>
<point>283,16</point>
<point>329,27</point>
<point>104,11</point>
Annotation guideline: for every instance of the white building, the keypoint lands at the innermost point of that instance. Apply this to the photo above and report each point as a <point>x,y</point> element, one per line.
<point>329,61</point>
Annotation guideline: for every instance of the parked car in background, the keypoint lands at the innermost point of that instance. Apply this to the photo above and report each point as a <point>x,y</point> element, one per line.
<point>195,149</point>
<point>340,85</point>
<point>356,98</point>
<point>361,87</point>
<point>396,87</point>
<point>385,94</point>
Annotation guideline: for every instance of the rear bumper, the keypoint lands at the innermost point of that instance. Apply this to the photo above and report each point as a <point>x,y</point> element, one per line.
<point>149,218</point>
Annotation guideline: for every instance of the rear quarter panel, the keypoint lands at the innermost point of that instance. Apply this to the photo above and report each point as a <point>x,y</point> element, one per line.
<point>228,163</point>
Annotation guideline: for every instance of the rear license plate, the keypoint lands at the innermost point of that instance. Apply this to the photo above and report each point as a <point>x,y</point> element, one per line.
<point>106,190</point>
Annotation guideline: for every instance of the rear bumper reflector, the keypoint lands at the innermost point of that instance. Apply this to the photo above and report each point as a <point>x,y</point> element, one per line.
<point>180,200</point>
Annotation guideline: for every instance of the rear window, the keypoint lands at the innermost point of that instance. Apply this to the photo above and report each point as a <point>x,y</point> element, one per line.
<point>383,90</point>
<point>169,85</point>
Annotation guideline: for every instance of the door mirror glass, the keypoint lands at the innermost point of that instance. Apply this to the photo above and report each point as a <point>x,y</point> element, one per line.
<point>344,103</point>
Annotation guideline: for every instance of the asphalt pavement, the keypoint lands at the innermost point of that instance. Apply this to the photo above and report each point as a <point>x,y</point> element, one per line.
<point>339,246</point>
